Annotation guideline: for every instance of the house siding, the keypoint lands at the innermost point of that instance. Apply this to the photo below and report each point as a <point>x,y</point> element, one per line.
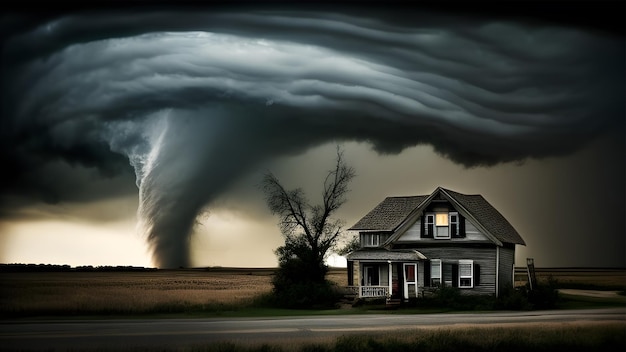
<point>507,264</point>
<point>484,257</point>
<point>413,234</point>
<point>486,238</point>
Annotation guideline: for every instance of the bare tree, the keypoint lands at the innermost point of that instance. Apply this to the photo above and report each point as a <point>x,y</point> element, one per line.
<point>309,230</point>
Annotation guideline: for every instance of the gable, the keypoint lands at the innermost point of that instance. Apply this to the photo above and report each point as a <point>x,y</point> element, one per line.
<point>487,216</point>
<point>413,234</point>
<point>400,215</point>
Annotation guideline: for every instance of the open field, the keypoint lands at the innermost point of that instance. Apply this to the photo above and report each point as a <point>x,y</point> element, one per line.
<point>580,278</point>
<point>187,291</point>
<point>162,291</point>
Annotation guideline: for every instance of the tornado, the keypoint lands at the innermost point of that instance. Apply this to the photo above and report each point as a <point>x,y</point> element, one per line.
<point>192,101</point>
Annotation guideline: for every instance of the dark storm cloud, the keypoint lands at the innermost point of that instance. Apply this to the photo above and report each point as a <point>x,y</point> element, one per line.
<point>195,100</point>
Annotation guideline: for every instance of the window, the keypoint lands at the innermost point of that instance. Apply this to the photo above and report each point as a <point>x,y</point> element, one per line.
<point>435,273</point>
<point>466,273</point>
<point>430,224</point>
<point>371,276</point>
<point>371,240</point>
<point>454,224</point>
<point>442,226</point>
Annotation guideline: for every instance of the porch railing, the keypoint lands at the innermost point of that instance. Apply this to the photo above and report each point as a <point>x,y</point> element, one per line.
<point>373,291</point>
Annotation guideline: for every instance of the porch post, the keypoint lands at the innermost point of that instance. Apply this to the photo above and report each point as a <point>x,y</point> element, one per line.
<point>390,277</point>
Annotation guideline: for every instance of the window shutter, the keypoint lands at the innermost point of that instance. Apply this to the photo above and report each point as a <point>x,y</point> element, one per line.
<point>461,226</point>
<point>423,229</point>
<point>455,275</point>
<point>476,274</point>
<point>427,273</point>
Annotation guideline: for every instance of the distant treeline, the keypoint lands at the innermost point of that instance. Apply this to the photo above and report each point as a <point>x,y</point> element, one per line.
<point>22,268</point>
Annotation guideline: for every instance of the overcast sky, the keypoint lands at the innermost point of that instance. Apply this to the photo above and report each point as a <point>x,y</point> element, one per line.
<point>140,137</point>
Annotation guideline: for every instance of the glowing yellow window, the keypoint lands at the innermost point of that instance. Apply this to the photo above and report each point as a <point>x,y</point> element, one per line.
<point>442,219</point>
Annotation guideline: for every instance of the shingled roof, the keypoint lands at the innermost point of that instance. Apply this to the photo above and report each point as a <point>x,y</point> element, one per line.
<point>384,254</point>
<point>488,217</point>
<point>394,211</point>
<point>389,214</point>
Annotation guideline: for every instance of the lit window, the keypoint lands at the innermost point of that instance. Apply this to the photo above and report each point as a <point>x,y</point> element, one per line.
<point>466,273</point>
<point>442,226</point>
<point>442,219</point>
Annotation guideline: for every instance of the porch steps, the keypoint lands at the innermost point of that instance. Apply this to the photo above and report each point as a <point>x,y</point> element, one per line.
<point>393,303</point>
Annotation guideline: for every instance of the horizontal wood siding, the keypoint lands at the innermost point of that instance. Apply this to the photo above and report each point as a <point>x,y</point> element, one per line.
<point>485,257</point>
<point>412,234</point>
<point>507,262</point>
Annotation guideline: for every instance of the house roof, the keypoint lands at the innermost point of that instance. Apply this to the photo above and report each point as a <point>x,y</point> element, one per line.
<point>488,216</point>
<point>393,212</point>
<point>388,214</point>
<point>385,254</point>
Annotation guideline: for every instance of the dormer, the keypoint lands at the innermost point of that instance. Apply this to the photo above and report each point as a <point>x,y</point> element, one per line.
<point>373,239</point>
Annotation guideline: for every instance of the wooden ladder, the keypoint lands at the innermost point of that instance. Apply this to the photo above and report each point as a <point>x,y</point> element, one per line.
<point>532,278</point>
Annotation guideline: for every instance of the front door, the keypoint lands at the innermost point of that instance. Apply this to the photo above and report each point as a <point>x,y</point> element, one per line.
<point>410,280</point>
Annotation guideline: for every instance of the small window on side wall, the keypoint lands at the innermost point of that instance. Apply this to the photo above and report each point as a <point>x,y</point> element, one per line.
<point>466,273</point>
<point>435,272</point>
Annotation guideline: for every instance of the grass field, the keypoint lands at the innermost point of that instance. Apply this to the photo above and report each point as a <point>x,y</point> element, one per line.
<point>188,293</point>
<point>191,291</point>
<point>541,337</point>
<point>579,278</point>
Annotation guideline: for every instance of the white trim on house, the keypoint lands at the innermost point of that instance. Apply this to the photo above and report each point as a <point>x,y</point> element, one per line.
<point>465,266</point>
<point>413,281</point>
<point>432,272</point>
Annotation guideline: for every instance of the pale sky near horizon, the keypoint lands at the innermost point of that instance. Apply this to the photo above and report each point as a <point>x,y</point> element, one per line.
<point>242,233</point>
<point>140,138</point>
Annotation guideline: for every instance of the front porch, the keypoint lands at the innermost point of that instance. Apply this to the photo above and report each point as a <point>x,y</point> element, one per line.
<point>381,273</point>
<point>369,291</point>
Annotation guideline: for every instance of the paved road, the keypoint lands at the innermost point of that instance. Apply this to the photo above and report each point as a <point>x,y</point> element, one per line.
<point>175,333</point>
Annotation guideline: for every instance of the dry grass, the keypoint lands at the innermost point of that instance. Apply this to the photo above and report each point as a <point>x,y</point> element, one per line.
<point>163,291</point>
<point>178,291</point>
<point>127,292</point>
<point>604,279</point>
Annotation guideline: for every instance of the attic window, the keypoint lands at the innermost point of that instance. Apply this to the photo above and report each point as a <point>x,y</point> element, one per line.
<point>371,240</point>
<point>441,222</point>
<point>442,219</point>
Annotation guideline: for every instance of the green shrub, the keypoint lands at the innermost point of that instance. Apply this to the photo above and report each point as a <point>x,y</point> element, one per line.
<point>451,298</point>
<point>307,295</point>
<point>544,296</point>
<point>512,299</point>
